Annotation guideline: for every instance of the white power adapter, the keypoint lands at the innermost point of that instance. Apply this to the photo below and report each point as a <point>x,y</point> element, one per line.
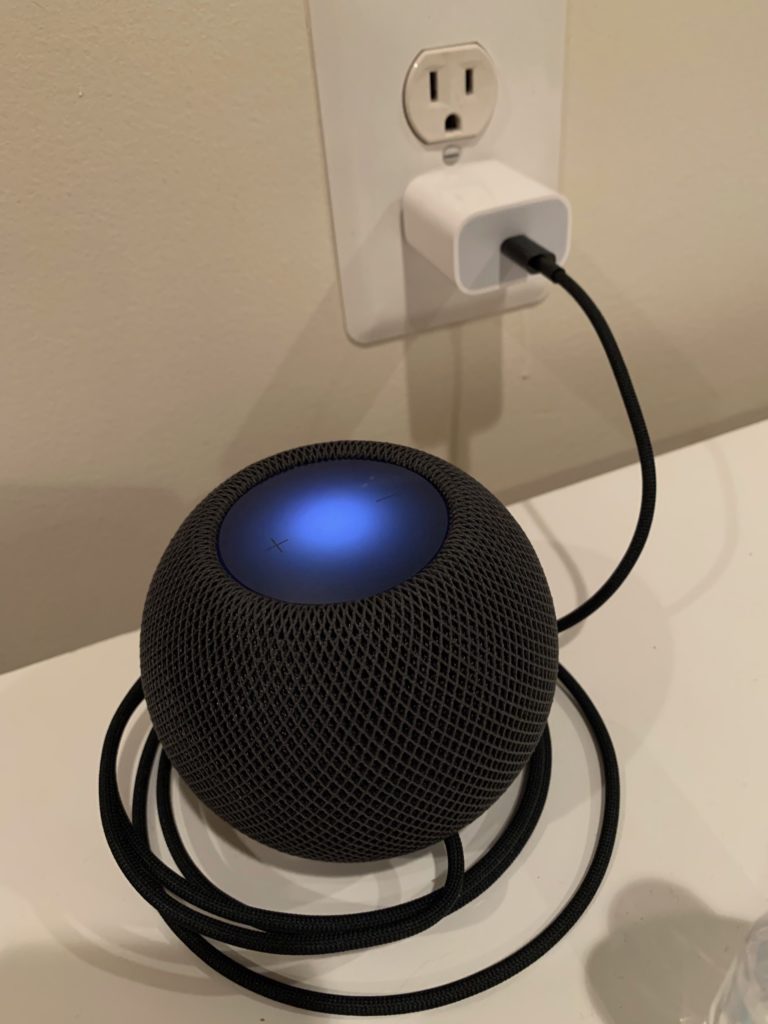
<point>458,217</point>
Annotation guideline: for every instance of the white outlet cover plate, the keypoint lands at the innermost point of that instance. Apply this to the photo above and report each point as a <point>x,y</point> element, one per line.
<point>363,51</point>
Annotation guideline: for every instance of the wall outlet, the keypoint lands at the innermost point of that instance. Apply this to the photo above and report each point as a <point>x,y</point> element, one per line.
<point>369,58</point>
<point>450,93</point>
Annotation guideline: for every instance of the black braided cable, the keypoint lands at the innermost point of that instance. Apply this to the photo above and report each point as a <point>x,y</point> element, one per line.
<point>537,260</point>
<point>303,934</point>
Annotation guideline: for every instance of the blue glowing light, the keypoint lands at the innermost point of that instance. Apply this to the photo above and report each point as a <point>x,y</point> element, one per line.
<point>333,531</point>
<point>334,522</point>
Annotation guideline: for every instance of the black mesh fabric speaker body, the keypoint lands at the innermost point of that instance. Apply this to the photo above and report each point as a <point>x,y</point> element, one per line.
<point>359,730</point>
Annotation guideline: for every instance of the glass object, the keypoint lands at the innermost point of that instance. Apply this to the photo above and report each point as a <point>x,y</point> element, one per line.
<point>743,997</point>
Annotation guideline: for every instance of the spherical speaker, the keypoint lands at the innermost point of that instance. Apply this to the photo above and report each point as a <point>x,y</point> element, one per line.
<point>349,651</point>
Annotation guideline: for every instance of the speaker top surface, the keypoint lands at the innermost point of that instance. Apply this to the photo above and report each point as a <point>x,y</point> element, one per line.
<point>333,531</point>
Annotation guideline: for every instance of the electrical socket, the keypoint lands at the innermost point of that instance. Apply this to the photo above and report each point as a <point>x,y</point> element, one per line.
<point>362,55</point>
<point>450,93</point>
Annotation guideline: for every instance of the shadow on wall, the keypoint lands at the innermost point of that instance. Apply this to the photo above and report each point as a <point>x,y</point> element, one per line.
<point>664,958</point>
<point>330,382</point>
<point>453,380</point>
<point>76,564</point>
<point>453,375</point>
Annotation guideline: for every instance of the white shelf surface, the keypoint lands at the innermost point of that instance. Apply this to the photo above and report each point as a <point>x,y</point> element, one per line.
<point>675,665</point>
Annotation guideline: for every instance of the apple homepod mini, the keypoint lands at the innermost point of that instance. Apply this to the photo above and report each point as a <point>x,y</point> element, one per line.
<point>349,651</point>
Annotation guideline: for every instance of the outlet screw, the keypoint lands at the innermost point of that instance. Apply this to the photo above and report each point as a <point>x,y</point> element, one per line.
<point>452,155</point>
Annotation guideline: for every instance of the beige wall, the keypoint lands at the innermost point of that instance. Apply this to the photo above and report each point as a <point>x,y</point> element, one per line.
<point>169,301</point>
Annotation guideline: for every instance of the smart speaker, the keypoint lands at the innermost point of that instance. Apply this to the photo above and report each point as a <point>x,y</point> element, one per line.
<point>349,651</point>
